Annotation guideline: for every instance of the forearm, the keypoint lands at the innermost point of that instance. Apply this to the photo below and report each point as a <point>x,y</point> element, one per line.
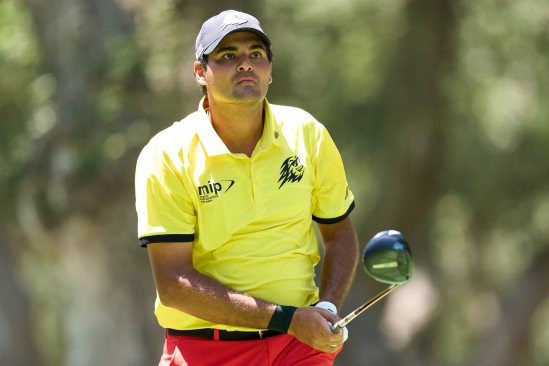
<point>338,269</point>
<point>182,287</point>
<point>203,297</point>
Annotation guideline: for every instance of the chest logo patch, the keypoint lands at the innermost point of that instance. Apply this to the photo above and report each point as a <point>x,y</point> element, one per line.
<point>291,171</point>
<point>210,191</point>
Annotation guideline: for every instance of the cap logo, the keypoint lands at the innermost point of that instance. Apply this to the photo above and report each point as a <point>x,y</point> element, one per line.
<point>234,18</point>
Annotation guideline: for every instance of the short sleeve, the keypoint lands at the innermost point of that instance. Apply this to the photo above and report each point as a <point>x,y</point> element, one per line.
<point>165,211</point>
<point>333,200</point>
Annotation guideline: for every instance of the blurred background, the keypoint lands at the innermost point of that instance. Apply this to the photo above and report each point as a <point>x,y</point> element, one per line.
<point>440,109</point>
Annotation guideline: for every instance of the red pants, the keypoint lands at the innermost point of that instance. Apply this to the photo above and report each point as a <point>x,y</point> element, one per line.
<point>282,350</point>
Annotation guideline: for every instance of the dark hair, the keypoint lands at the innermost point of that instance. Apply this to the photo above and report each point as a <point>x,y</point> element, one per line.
<point>204,62</point>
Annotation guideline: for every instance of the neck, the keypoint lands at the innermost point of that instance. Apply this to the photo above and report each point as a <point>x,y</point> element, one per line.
<point>239,126</point>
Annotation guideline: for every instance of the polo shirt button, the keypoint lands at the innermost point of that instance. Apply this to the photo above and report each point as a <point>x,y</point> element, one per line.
<point>255,182</point>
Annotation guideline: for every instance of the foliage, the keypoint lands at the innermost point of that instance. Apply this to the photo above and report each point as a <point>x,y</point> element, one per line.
<point>26,112</point>
<point>75,118</point>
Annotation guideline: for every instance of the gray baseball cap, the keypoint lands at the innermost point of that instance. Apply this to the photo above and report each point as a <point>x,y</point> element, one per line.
<point>229,21</point>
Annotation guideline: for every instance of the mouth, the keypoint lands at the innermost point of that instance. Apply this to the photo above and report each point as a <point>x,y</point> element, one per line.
<point>247,80</point>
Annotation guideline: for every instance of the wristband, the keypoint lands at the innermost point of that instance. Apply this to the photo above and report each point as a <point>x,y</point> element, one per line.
<point>282,317</point>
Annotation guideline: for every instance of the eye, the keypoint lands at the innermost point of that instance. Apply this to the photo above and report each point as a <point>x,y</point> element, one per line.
<point>228,56</point>
<point>256,55</point>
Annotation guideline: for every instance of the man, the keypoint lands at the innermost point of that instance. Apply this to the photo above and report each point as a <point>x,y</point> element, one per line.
<point>225,202</point>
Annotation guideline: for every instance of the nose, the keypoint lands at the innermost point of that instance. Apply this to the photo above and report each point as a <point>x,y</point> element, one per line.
<point>245,64</point>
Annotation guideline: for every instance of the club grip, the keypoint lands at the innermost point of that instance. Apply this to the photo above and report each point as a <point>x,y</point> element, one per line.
<point>336,328</point>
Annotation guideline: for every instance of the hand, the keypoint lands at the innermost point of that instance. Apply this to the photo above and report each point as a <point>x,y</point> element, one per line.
<point>332,308</point>
<point>310,326</point>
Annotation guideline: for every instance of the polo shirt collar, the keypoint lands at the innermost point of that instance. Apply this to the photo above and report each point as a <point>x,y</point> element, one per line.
<point>271,129</point>
<point>215,146</point>
<point>208,137</point>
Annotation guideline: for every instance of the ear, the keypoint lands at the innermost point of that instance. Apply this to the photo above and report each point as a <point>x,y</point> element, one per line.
<point>271,72</point>
<point>199,73</point>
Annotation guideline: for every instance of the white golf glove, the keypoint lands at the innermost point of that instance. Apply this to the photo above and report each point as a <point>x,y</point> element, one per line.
<point>332,308</point>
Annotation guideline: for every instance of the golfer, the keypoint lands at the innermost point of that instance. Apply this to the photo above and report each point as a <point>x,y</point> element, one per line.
<point>225,201</point>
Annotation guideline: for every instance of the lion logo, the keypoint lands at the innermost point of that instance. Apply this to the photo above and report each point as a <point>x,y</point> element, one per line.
<point>291,171</point>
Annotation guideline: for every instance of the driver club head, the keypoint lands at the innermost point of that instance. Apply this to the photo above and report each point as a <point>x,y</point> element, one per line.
<point>388,259</point>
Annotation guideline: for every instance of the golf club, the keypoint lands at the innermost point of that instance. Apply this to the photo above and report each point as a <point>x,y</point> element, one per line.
<point>387,258</point>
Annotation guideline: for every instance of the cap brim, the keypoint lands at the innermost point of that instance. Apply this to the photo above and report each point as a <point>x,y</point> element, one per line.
<point>260,34</point>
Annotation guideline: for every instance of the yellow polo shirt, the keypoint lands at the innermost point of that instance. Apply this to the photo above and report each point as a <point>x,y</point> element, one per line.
<point>250,218</point>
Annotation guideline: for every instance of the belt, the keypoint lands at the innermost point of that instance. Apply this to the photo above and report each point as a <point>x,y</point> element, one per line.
<point>224,335</point>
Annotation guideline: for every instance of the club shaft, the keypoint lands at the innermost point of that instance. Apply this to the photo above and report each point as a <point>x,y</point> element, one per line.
<point>336,328</point>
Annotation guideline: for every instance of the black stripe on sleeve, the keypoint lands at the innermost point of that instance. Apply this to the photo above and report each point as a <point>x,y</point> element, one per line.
<point>171,238</point>
<point>335,220</point>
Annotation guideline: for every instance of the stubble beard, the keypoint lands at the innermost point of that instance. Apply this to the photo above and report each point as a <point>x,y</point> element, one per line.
<point>246,95</point>
<point>252,94</point>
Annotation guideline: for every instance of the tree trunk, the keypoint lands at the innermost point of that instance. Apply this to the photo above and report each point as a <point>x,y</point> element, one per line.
<point>508,343</point>
<point>75,205</point>
<point>18,337</point>
<point>410,164</point>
